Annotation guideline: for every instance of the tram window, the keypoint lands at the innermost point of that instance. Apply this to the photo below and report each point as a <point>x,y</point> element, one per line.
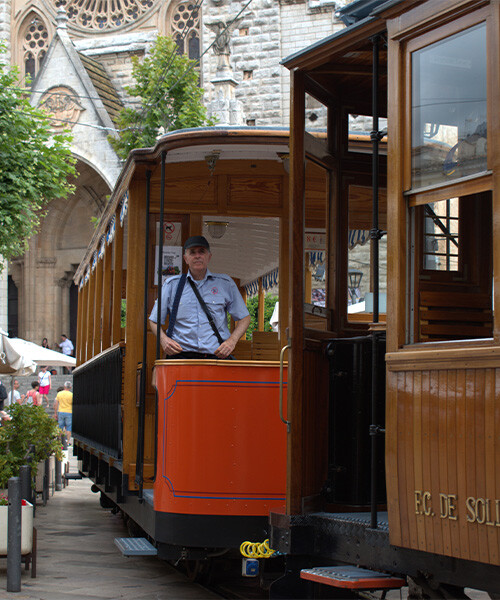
<point>452,270</point>
<point>360,127</point>
<point>316,245</point>
<point>360,255</point>
<point>316,115</point>
<point>449,108</point>
<point>441,236</point>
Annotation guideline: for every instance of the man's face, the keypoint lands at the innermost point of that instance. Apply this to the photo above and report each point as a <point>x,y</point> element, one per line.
<point>63,337</point>
<point>16,384</point>
<point>197,259</point>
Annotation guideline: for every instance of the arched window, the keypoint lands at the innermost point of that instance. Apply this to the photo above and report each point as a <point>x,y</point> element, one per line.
<point>35,41</point>
<point>185,28</point>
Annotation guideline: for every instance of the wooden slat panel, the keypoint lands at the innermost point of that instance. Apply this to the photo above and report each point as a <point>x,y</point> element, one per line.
<point>480,457</point>
<point>417,453</point>
<point>470,454</point>
<point>402,477</point>
<point>409,456</point>
<point>460,458</point>
<point>447,425</point>
<point>456,300</point>
<point>426,459</point>
<point>243,350</point>
<point>451,456</point>
<point>391,453</point>
<point>442,459</point>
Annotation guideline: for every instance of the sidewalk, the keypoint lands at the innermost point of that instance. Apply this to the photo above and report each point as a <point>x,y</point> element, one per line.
<point>78,560</point>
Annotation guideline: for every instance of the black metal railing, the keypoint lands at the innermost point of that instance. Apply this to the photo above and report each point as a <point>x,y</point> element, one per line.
<point>97,401</point>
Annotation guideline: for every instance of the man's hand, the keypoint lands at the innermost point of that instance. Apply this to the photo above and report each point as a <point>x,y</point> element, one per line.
<point>225,349</point>
<point>169,345</point>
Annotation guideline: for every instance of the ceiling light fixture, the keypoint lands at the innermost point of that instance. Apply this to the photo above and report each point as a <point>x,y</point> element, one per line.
<point>216,229</point>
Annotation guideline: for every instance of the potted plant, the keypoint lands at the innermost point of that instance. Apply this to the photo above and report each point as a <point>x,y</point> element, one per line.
<point>29,425</point>
<point>26,525</point>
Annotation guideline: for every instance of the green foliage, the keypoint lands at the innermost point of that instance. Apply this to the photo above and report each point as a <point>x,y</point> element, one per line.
<point>253,309</point>
<point>123,313</point>
<point>170,98</point>
<point>29,425</point>
<point>34,163</point>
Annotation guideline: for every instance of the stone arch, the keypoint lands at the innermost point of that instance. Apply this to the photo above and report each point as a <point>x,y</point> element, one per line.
<point>55,253</point>
<point>32,39</point>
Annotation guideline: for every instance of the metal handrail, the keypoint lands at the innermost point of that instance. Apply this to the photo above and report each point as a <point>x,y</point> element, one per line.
<point>282,354</point>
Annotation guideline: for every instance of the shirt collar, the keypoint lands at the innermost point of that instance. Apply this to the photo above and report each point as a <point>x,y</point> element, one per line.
<point>200,281</point>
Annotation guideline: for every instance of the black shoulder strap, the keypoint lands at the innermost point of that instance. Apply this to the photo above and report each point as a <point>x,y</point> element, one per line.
<point>175,305</point>
<point>207,312</point>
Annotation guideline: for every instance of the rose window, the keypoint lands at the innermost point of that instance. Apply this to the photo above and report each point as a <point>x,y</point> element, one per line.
<point>105,15</point>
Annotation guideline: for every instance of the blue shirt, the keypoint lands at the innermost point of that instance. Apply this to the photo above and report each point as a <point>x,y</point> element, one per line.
<point>192,329</point>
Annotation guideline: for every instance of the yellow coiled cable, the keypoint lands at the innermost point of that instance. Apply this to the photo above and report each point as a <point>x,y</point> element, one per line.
<point>256,549</point>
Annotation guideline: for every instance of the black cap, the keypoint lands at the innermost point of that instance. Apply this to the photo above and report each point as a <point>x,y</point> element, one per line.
<point>196,241</point>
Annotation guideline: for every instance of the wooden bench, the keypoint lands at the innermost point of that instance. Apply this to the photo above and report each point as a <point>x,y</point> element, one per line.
<point>265,345</point>
<point>449,315</point>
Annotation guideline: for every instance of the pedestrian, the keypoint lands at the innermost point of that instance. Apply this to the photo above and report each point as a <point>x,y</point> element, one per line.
<point>33,397</point>
<point>15,395</point>
<point>63,409</point>
<point>45,381</point>
<point>3,395</point>
<point>198,310</point>
<point>67,348</point>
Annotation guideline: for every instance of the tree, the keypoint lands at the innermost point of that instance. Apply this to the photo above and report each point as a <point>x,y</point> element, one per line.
<point>253,309</point>
<point>34,163</point>
<point>170,98</point>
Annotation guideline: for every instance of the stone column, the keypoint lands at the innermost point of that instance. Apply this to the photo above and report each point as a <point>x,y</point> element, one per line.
<point>223,104</point>
<point>5,24</point>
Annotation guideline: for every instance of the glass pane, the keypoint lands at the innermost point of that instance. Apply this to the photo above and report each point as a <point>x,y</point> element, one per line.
<point>449,108</point>
<point>360,284</point>
<point>441,241</point>
<point>316,115</point>
<point>316,246</point>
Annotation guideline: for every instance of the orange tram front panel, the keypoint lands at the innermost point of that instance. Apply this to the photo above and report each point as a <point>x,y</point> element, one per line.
<point>221,442</point>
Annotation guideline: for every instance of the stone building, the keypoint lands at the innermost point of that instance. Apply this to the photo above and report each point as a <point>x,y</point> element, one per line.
<point>78,55</point>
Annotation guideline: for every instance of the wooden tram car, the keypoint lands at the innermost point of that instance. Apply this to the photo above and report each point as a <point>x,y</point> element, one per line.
<point>427,74</point>
<point>191,451</point>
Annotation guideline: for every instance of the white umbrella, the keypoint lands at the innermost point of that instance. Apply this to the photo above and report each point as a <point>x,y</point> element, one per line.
<point>12,359</point>
<point>39,355</point>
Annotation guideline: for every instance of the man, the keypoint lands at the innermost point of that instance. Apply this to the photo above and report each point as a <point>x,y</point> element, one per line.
<point>192,335</point>
<point>15,395</point>
<point>67,348</point>
<point>3,395</point>
<point>63,409</point>
<point>66,345</point>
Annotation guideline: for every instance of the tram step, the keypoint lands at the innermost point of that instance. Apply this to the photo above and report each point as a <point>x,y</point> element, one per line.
<point>352,578</point>
<point>73,476</point>
<point>135,547</point>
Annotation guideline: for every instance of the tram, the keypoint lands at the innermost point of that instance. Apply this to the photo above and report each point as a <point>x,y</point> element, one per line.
<point>393,449</point>
<point>192,452</point>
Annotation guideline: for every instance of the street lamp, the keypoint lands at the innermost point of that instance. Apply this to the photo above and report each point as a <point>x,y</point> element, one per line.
<point>354,283</point>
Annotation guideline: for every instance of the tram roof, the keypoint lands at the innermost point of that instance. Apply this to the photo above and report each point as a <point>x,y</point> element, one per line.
<point>189,145</point>
<point>358,16</point>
